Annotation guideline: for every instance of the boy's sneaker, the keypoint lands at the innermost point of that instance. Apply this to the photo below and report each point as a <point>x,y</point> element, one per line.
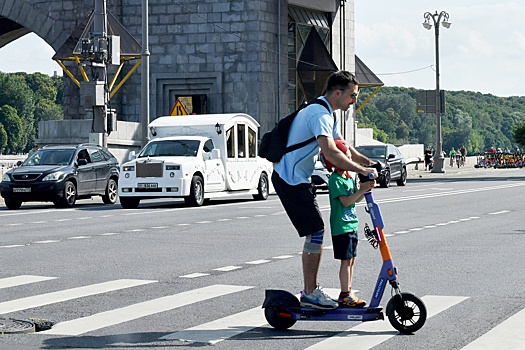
<point>318,299</point>
<point>351,300</point>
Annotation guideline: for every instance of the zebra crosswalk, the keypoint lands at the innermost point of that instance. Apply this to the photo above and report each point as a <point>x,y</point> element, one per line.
<point>361,336</point>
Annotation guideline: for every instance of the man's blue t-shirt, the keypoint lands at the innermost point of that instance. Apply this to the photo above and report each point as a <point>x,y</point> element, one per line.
<point>296,167</point>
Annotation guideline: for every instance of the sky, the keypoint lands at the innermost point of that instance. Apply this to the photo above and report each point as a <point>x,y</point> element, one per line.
<point>482,51</point>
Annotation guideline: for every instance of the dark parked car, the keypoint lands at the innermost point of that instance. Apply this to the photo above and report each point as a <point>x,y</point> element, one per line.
<point>391,160</point>
<point>62,174</point>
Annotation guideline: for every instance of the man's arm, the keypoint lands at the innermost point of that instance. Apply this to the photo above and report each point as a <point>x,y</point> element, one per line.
<point>339,159</point>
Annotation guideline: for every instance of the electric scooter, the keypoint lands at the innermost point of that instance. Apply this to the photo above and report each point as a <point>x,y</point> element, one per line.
<point>406,312</point>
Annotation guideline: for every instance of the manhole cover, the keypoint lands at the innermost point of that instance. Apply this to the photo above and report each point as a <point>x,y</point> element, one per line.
<point>15,326</point>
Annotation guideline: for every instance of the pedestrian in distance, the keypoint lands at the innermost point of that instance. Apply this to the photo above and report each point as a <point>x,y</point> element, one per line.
<point>344,194</point>
<point>291,177</point>
<point>428,158</point>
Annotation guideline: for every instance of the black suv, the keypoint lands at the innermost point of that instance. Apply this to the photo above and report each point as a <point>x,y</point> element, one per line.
<point>392,163</point>
<point>62,174</point>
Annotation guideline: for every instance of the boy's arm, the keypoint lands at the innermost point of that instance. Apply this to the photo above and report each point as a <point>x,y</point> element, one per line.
<point>358,196</point>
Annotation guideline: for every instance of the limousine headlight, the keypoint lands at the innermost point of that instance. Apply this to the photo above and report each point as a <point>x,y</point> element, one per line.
<point>172,167</point>
<point>128,168</point>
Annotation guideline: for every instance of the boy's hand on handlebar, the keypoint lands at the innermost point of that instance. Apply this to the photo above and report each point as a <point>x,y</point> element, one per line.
<point>367,186</point>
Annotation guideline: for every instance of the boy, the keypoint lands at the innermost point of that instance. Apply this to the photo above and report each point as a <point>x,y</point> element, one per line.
<point>343,222</point>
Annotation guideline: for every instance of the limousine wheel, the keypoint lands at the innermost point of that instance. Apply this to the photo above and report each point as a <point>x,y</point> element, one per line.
<point>196,197</point>
<point>262,188</point>
<point>129,202</point>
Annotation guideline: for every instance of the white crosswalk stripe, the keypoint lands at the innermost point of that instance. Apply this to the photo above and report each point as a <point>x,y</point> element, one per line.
<point>510,334</point>
<point>68,294</point>
<point>128,313</point>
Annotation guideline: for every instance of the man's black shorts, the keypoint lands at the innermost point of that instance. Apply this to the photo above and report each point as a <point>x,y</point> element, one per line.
<point>300,204</point>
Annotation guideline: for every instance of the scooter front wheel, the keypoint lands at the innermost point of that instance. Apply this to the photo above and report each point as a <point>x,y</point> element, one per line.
<point>276,314</point>
<point>406,312</point>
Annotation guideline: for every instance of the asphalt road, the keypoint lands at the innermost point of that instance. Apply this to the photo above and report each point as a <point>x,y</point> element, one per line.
<point>147,278</point>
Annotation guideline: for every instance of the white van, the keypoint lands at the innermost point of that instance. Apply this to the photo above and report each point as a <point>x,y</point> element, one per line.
<point>197,157</point>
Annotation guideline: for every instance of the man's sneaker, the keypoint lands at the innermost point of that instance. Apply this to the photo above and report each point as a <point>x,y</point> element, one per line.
<point>318,299</point>
<point>351,300</point>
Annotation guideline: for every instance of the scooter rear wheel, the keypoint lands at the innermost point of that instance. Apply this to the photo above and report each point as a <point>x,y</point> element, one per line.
<point>406,312</point>
<point>276,307</point>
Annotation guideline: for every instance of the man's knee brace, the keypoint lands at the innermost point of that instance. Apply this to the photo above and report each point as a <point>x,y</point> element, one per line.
<point>313,242</point>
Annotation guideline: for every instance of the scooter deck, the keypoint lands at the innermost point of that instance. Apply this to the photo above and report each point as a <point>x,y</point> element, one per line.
<point>339,314</point>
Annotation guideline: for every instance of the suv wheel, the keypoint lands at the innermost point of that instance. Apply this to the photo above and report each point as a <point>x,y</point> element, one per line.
<point>12,204</point>
<point>69,196</point>
<point>385,181</point>
<point>402,181</point>
<point>110,196</point>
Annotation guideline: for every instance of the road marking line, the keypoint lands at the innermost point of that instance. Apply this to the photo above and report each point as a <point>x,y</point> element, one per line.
<point>159,227</point>
<point>430,226</point>
<point>228,268</point>
<point>68,294</point>
<point>195,275</point>
<point>369,334</point>
<point>109,234</point>
<point>17,224</point>
<point>415,229</point>
<point>22,279</point>
<point>79,237</point>
<point>109,318</point>
<point>401,232</point>
<point>203,222</point>
<point>499,212</point>
<point>12,246</point>
<point>510,334</point>
<point>257,262</point>
<point>46,242</point>
<point>283,257</point>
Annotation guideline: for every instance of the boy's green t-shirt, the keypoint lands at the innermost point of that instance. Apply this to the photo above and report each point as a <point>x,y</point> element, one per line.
<point>342,219</point>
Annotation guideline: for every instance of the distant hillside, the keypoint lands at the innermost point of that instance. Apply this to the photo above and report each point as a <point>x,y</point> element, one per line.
<point>478,121</point>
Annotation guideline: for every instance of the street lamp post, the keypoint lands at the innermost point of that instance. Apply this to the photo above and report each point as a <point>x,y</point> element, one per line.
<point>442,17</point>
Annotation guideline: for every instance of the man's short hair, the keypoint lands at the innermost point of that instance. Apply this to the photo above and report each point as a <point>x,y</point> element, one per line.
<point>340,80</point>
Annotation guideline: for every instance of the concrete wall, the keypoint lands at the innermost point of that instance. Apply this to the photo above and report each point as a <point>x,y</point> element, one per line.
<point>120,142</point>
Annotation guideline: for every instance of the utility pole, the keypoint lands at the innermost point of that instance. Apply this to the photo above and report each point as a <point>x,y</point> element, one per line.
<point>98,51</point>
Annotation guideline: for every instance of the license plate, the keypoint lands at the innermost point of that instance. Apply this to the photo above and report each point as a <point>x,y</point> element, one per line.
<point>22,189</point>
<point>148,185</point>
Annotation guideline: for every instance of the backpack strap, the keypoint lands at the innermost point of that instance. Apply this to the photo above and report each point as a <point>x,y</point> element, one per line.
<point>306,142</point>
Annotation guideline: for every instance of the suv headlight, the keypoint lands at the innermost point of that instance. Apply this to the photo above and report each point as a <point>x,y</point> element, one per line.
<point>6,178</point>
<point>56,176</point>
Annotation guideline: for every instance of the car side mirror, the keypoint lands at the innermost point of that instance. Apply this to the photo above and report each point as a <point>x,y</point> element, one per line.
<point>215,153</point>
<point>390,156</point>
<point>132,155</point>
<point>82,161</point>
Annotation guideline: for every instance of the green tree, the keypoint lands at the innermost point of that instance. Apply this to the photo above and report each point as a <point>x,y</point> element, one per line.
<point>518,134</point>
<point>3,139</point>
<point>14,127</point>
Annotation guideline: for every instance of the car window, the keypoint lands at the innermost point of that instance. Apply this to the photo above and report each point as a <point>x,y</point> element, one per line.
<point>50,157</point>
<point>83,154</point>
<point>96,155</point>
<point>208,146</point>
<point>164,148</point>
<point>106,154</point>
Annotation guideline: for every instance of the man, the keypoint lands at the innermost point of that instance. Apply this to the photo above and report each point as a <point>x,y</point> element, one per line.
<point>291,176</point>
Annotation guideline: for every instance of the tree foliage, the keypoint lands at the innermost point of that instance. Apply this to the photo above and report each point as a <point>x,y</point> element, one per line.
<point>478,121</point>
<point>33,97</point>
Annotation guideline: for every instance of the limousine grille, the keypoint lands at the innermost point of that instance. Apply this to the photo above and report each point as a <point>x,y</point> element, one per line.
<point>149,169</point>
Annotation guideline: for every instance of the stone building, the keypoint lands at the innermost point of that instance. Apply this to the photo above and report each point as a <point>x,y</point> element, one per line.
<point>262,57</point>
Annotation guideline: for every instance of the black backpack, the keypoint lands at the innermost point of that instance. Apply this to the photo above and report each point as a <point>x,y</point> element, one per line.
<point>273,143</point>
